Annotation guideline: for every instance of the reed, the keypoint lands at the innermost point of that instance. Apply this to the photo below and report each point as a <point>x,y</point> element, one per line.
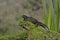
<point>51,20</point>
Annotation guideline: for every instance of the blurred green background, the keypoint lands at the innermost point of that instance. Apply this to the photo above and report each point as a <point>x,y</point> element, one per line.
<point>46,11</point>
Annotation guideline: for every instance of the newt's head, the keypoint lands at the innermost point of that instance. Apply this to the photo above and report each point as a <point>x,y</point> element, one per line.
<point>24,17</point>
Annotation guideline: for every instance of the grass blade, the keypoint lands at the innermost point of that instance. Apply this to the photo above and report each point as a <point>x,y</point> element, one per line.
<point>50,14</point>
<point>57,16</point>
<point>44,11</point>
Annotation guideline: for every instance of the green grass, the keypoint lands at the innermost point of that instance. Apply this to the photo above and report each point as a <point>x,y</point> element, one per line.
<point>51,20</point>
<point>44,11</point>
<point>57,16</point>
<point>37,33</point>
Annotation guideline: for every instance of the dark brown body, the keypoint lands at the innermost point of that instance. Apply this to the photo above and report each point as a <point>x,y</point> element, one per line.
<point>34,21</point>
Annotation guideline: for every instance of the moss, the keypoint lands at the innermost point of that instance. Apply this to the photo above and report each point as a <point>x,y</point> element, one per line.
<point>35,33</point>
<point>19,36</point>
<point>38,33</point>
